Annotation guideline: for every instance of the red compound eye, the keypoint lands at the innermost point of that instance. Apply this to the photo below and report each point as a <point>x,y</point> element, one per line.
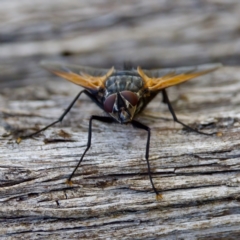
<point>109,102</point>
<point>130,97</point>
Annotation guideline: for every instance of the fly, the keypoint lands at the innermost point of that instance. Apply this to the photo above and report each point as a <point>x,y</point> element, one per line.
<point>122,94</point>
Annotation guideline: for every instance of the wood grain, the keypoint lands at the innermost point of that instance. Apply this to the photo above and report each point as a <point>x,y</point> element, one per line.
<point>111,196</point>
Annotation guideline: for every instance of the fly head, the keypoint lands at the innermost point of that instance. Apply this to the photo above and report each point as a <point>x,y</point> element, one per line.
<point>121,106</point>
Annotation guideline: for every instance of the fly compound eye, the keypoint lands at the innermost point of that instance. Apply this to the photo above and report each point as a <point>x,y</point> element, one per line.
<point>109,102</point>
<point>130,97</point>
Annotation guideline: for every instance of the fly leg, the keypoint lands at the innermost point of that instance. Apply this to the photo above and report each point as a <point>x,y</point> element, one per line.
<point>166,100</point>
<point>58,120</point>
<point>144,127</point>
<point>94,117</point>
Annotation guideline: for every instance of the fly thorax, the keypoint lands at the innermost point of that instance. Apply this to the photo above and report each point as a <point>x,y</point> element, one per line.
<point>123,81</point>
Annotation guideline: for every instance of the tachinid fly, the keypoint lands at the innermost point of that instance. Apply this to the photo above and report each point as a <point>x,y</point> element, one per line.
<point>122,94</point>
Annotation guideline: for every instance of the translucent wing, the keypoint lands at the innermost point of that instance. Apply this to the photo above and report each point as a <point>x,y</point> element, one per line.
<point>87,77</point>
<point>158,79</point>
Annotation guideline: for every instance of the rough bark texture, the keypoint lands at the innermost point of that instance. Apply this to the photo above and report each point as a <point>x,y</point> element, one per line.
<point>111,196</point>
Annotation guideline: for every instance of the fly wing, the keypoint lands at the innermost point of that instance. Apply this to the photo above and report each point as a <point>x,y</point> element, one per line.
<point>158,79</point>
<point>87,77</point>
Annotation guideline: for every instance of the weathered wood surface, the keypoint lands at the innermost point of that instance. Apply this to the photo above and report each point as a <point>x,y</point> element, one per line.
<point>104,33</point>
<point>111,197</point>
